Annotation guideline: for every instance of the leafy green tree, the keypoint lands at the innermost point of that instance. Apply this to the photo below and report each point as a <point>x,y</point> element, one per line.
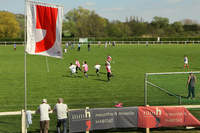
<point>177,26</point>
<point>160,22</point>
<point>84,23</point>
<point>20,19</point>
<point>9,26</point>
<point>114,29</point>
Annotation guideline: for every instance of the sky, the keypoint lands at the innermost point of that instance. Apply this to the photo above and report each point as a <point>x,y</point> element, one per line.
<point>175,10</point>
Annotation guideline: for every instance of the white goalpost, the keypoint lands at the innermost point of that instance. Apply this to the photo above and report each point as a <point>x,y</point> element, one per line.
<point>147,82</point>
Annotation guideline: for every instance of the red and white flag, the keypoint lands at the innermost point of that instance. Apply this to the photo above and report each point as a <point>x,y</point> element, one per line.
<point>44,29</point>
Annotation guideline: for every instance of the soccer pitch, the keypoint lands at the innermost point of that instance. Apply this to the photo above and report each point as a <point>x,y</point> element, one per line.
<point>129,64</point>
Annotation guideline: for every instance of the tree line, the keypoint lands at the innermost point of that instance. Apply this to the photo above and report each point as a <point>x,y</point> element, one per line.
<point>81,22</point>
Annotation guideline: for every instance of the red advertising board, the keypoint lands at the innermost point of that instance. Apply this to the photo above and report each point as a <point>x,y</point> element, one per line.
<point>154,116</point>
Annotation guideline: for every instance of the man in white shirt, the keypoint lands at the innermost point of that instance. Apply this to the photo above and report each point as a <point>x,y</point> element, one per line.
<point>61,111</point>
<point>44,109</point>
<point>72,68</point>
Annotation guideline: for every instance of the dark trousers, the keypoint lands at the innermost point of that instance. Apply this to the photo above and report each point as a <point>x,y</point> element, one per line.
<point>97,72</point>
<point>63,123</point>
<point>191,91</point>
<point>77,68</point>
<point>108,75</point>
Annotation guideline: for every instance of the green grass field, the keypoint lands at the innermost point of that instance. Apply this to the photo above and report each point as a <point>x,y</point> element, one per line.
<point>129,64</point>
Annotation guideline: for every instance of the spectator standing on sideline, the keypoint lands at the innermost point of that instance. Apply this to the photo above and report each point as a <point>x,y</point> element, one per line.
<point>79,47</point>
<point>66,45</point>
<point>147,43</point>
<point>72,45</point>
<point>61,111</point>
<point>109,43</point>
<point>113,43</point>
<point>99,43</point>
<point>106,44</point>
<point>88,46</point>
<point>44,109</point>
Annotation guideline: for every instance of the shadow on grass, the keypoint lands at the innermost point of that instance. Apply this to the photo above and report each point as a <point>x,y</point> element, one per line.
<point>3,131</point>
<point>73,76</point>
<point>103,73</point>
<point>92,75</point>
<point>191,68</point>
<point>179,67</point>
<point>38,130</point>
<point>3,122</point>
<point>195,68</point>
<point>103,80</point>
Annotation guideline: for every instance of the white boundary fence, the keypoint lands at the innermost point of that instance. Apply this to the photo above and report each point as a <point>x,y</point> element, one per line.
<point>117,42</point>
<point>23,116</point>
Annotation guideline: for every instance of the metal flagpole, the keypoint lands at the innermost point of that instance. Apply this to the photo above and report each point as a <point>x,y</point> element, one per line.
<point>24,127</point>
<point>25,43</point>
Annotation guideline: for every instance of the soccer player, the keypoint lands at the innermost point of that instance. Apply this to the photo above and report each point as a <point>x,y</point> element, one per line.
<point>66,47</point>
<point>186,62</point>
<point>109,58</point>
<point>72,68</point>
<point>79,47</point>
<point>97,67</point>
<point>65,50</point>
<point>78,67</point>
<point>15,46</point>
<point>109,73</point>
<point>85,69</point>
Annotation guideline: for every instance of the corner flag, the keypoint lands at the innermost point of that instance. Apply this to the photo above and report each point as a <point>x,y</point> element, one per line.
<point>44,29</point>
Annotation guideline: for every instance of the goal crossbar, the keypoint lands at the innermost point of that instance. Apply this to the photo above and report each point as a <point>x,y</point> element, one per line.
<point>168,73</point>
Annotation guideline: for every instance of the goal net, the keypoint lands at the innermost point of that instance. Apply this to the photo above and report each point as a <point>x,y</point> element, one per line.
<point>169,88</point>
